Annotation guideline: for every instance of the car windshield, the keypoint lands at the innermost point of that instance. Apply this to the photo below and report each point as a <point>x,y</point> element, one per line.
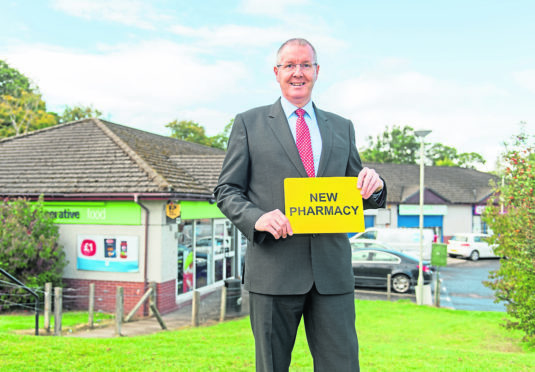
<point>459,238</point>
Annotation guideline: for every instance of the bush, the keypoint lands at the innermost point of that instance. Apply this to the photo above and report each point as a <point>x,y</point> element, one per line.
<point>29,248</point>
<point>511,216</point>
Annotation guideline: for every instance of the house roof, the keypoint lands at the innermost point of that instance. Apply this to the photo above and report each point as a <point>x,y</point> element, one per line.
<point>453,185</point>
<point>94,156</point>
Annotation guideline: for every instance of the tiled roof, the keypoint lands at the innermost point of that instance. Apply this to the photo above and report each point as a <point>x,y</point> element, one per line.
<point>96,156</point>
<point>453,184</point>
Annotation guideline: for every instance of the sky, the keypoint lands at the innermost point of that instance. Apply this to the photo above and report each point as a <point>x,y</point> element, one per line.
<point>463,69</point>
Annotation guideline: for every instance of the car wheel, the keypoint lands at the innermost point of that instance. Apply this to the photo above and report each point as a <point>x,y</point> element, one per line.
<point>401,283</point>
<point>474,256</point>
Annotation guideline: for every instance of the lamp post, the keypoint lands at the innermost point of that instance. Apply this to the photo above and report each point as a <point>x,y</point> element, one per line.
<point>420,288</point>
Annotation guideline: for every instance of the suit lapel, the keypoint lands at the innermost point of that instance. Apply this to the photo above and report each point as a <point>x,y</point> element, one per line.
<point>326,140</point>
<point>281,129</point>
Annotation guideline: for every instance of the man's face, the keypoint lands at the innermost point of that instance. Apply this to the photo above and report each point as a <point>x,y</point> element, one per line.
<point>296,85</point>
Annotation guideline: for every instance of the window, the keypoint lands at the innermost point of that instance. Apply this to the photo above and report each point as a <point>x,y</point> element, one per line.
<point>385,257</point>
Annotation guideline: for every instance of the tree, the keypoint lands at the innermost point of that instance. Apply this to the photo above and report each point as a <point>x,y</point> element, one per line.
<point>442,155</point>
<point>78,113</point>
<point>12,81</point>
<point>24,112</point>
<point>191,131</point>
<point>510,214</point>
<point>397,145</point>
<point>188,130</point>
<point>220,140</point>
<point>400,146</point>
<point>29,248</point>
<point>21,106</point>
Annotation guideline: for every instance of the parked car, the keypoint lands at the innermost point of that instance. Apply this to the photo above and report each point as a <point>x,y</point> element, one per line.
<point>406,240</point>
<point>473,246</point>
<point>371,265</point>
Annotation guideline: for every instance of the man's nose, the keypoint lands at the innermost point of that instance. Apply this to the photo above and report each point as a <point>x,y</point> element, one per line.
<point>298,70</point>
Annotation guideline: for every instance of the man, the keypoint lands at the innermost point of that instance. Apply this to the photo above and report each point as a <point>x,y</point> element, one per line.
<point>303,275</point>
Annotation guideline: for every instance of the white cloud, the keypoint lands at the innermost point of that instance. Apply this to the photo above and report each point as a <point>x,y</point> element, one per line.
<point>461,115</point>
<point>128,12</point>
<point>141,85</point>
<point>525,79</point>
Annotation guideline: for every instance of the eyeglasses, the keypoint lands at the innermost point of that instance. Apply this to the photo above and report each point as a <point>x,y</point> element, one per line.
<point>293,66</point>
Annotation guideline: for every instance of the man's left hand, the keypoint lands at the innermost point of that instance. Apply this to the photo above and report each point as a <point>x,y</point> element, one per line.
<point>369,182</point>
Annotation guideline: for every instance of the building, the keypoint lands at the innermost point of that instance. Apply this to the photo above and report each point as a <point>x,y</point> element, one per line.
<point>454,198</point>
<point>135,208</point>
<point>111,189</point>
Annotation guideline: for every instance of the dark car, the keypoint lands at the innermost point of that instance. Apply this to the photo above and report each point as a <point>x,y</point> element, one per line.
<point>372,265</point>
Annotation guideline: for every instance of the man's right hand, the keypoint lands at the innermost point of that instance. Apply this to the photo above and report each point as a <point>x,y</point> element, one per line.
<point>275,223</point>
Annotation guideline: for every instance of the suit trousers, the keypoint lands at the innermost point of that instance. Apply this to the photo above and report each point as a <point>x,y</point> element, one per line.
<point>329,324</point>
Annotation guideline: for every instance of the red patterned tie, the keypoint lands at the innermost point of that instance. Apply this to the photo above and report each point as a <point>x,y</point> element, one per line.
<point>304,145</point>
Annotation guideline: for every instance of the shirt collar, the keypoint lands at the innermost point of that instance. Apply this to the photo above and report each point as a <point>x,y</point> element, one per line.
<point>289,108</point>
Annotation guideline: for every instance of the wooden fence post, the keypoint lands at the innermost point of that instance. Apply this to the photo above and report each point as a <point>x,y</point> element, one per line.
<point>195,302</point>
<point>388,286</point>
<point>152,298</point>
<point>58,306</point>
<point>91,309</point>
<point>119,311</point>
<point>48,306</point>
<point>223,310</point>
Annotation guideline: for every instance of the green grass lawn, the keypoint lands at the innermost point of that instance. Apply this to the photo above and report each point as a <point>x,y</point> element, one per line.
<point>393,336</point>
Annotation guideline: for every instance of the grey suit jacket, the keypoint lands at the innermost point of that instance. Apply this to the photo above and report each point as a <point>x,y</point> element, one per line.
<point>261,154</point>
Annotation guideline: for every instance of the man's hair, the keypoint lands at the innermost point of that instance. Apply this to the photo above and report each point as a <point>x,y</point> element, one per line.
<point>298,41</point>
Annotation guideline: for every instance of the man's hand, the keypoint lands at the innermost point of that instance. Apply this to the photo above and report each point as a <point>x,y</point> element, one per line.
<point>369,182</point>
<point>275,223</point>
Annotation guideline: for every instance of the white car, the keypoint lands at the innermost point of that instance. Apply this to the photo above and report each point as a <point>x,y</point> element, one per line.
<point>473,246</point>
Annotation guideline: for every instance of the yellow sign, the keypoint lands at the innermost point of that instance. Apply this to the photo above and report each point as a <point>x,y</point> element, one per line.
<point>323,205</point>
<point>172,210</point>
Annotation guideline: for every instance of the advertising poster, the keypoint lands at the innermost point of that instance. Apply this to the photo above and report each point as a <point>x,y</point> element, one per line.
<point>108,253</point>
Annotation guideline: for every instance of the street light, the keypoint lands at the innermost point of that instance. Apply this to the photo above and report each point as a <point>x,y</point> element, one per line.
<point>420,288</point>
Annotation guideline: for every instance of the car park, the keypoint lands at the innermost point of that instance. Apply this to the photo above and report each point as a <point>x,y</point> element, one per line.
<point>372,264</point>
<point>473,246</point>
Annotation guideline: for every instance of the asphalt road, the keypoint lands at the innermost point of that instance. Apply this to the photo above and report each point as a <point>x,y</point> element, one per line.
<point>461,286</point>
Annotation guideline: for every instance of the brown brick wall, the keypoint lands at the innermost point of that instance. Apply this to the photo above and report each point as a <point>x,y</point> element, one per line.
<point>76,295</point>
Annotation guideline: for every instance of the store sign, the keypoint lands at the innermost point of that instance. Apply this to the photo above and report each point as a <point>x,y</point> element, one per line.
<point>172,210</point>
<point>428,210</point>
<point>94,213</point>
<point>115,253</point>
<point>323,205</point>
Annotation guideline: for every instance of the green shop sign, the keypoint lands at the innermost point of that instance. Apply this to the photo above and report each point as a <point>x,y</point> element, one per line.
<point>192,210</point>
<point>95,213</point>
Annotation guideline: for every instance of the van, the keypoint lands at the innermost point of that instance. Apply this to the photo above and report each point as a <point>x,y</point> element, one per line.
<point>405,240</point>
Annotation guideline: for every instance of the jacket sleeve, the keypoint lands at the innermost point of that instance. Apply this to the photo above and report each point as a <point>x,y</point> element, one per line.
<point>233,185</point>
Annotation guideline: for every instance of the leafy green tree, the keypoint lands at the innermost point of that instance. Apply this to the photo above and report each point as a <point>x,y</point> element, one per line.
<point>188,130</point>
<point>399,145</point>
<point>23,113</point>
<point>12,82</point>
<point>396,145</point>
<point>442,155</point>
<point>191,131</point>
<point>510,214</point>
<point>220,140</point>
<point>78,113</point>
<point>29,248</point>
<point>22,108</point>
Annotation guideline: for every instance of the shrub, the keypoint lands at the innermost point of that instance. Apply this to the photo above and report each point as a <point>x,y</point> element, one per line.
<point>29,248</point>
<point>511,216</point>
